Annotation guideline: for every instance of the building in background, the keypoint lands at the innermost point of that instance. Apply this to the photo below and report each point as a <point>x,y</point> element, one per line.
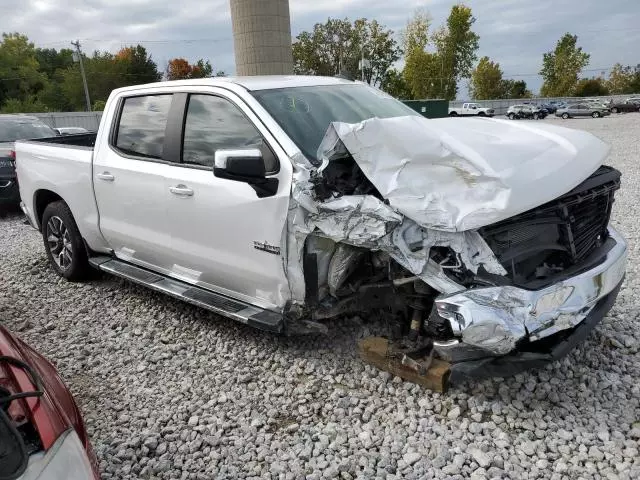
<point>262,37</point>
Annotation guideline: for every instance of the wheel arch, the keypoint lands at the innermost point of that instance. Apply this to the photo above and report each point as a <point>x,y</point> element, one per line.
<point>42,198</point>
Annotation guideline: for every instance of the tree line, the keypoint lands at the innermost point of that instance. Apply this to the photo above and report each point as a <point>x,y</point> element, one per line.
<point>437,59</point>
<point>45,79</point>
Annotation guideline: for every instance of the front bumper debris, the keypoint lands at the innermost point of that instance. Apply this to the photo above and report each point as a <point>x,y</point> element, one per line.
<point>497,319</point>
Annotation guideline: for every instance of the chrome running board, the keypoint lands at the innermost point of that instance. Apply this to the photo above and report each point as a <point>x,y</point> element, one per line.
<point>220,304</point>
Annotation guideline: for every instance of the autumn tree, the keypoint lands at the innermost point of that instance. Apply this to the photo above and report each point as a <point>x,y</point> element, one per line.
<point>181,69</point>
<point>337,47</point>
<point>562,66</point>
<point>591,87</point>
<point>137,65</point>
<point>486,81</point>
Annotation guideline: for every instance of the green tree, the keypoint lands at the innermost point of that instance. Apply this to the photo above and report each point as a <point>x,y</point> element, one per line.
<point>421,67</point>
<point>51,60</point>
<point>137,65</point>
<point>486,81</point>
<point>395,85</point>
<point>19,69</point>
<point>591,87</point>
<point>456,46</point>
<point>515,89</point>
<point>436,74</point>
<point>620,79</point>
<point>31,104</point>
<point>561,67</point>
<point>337,46</point>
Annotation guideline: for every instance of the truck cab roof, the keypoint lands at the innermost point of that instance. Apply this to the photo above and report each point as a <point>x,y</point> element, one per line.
<point>266,82</point>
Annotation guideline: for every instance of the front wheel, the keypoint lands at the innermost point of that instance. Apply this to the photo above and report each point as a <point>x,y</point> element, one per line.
<point>565,115</point>
<point>453,114</point>
<point>536,116</point>
<point>482,114</point>
<point>595,114</point>
<point>63,242</point>
<point>511,116</point>
<point>614,110</point>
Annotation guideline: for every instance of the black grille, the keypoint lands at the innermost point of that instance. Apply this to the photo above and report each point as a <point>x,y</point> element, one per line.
<point>572,225</point>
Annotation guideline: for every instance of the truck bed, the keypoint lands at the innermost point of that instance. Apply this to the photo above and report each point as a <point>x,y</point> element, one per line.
<point>79,140</point>
<point>61,166</point>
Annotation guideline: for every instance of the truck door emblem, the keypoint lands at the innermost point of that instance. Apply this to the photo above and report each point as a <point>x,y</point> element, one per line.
<point>265,247</point>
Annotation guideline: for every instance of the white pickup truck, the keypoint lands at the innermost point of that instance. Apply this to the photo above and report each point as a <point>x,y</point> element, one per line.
<point>284,201</point>
<point>471,110</point>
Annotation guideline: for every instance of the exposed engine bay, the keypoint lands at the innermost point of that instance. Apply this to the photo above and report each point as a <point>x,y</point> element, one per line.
<point>358,243</point>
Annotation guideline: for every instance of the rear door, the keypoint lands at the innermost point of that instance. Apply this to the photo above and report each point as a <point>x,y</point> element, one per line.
<point>224,236</point>
<point>129,181</point>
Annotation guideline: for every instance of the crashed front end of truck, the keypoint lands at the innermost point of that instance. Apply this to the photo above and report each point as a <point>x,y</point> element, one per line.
<point>494,252</point>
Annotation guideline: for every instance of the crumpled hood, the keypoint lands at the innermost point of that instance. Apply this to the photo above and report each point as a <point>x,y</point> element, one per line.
<point>466,173</point>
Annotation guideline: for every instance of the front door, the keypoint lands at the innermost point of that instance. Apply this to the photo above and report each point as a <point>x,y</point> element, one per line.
<point>224,237</point>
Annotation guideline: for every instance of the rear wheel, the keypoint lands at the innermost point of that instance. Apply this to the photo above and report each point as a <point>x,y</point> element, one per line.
<point>536,116</point>
<point>565,115</point>
<point>614,110</point>
<point>595,114</point>
<point>63,242</point>
<point>511,116</point>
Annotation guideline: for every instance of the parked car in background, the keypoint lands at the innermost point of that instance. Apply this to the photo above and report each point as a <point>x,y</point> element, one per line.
<point>470,110</point>
<point>71,130</point>
<point>12,128</point>
<point>517,112</point>
<point>635,100</point>
<point>280,202</point>
<point>549,107</point>
<point>582,110</point>
<point>42,434</point>
<point>624,107</point>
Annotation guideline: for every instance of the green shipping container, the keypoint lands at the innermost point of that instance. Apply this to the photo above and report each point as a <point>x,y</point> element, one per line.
<point>429,108</point>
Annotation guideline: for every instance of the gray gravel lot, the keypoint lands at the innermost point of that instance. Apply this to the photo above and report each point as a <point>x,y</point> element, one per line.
<point>171,391</point>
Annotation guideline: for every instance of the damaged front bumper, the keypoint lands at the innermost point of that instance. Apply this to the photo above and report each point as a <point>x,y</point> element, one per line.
<point>509,329</point>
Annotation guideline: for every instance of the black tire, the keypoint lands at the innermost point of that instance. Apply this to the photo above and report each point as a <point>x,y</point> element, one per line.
<point>614,110</point>
<point>511,116</point>
<point>565,115</point>
<point>63,243</point>
<point>482,114</point>
<point>595,114</point>
<point>453,114</point>
<point>536,116</point>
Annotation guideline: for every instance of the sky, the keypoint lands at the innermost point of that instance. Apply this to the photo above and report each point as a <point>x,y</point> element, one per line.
<point>514,33</point>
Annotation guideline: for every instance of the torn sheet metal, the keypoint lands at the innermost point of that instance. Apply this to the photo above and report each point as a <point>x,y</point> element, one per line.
<point>461,174</point>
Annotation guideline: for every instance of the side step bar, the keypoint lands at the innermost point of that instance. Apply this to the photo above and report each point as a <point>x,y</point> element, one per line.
<point>220,304</point>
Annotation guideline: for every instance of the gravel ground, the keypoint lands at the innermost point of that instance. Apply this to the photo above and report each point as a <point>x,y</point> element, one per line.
<point>171,391</point>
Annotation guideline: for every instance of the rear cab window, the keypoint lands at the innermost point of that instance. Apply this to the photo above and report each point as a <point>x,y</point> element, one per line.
<point>142,124</point>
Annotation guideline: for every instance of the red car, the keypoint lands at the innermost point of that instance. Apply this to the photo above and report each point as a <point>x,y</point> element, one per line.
<point>42,434</point>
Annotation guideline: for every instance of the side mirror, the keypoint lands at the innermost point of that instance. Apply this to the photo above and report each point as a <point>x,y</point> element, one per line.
<point>241,165</point>
<point>245,165</point>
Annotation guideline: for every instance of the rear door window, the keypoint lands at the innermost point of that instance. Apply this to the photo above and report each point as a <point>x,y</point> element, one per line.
<point>141,129</point>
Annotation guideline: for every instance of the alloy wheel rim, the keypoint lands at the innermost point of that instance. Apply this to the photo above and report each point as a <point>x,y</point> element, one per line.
<point>59,242</point>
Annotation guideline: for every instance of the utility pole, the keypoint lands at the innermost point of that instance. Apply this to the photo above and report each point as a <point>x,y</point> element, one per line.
<point>78,55</point>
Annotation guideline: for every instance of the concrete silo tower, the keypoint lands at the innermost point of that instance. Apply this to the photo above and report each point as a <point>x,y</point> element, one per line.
<point>262,37</point>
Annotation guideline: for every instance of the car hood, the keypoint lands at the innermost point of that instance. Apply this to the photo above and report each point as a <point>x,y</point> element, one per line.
<point>462,174</point>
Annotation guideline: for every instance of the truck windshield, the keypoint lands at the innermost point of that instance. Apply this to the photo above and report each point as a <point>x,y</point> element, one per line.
<point>305,113</point>
<point>22,129</point>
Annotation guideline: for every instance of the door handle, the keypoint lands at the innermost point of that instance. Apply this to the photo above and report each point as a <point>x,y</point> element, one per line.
<point>181,191</point>
<point>106,176</point>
